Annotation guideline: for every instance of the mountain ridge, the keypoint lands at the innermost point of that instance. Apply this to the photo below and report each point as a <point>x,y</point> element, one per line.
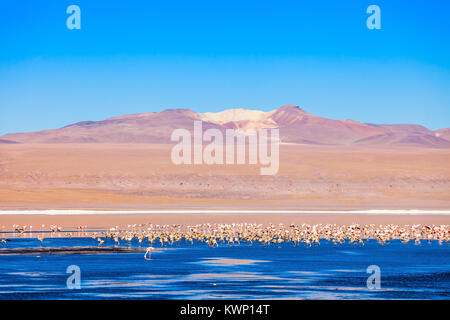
<point>296,126</point>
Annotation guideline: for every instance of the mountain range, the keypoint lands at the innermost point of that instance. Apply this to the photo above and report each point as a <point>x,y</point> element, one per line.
<point>296,126</point>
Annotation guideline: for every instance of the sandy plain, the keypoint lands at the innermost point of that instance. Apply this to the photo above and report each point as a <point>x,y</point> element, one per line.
<point>142,177</point>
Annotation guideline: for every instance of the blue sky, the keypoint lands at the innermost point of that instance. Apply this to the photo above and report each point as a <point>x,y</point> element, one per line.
<point>143,56</point>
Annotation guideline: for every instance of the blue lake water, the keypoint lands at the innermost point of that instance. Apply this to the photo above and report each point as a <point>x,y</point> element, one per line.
<point>185,271</point>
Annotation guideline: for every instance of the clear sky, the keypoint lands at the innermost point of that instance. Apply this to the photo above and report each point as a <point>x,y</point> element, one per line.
<point>208,55</point>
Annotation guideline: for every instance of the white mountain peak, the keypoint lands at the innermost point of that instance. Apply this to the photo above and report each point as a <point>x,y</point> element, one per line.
<point>235,115</point>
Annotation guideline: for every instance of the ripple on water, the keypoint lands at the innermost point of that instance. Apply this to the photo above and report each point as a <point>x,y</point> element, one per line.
<point>229,262</point>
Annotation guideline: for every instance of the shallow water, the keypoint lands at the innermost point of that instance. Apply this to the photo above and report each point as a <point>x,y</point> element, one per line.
<point>185,271</point>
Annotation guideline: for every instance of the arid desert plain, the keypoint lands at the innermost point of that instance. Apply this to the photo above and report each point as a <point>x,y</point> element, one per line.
<point>139,177</point>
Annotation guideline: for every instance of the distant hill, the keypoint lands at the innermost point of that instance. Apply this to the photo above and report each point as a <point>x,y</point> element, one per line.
<point>5,141</point>
<point>296,126</point>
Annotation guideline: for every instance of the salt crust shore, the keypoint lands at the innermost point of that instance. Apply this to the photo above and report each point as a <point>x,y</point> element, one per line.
<point>108,212</point>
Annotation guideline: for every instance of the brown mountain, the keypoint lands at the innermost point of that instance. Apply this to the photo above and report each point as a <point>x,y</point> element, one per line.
<point>4,141</point>
<point>296,126</point>
<point>134,128</point>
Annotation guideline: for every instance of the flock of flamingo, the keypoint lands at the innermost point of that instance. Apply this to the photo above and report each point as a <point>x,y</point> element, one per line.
<point>249,233</point>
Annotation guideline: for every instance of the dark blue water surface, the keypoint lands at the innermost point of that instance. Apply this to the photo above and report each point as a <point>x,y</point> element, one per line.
<point>197,271</point>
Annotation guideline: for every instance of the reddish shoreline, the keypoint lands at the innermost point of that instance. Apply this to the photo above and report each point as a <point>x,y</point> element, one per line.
<point>103,221</point>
